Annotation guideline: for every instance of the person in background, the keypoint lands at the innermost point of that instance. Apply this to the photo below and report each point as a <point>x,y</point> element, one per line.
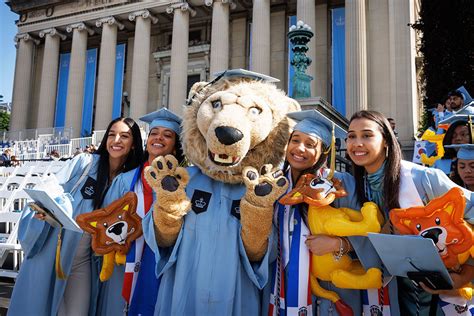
<point>463,174</point>
<point>131,289</point>
<point>5,159</point>
<point>456,100</point>
<point>44,287</point>
<point>383,177</point>
<point>459,132</point>
<point>14,161</point>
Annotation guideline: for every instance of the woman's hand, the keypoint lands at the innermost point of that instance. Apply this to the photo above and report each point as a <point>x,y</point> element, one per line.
<point>40,216</point>
<point>323,244</point>
<point>459,281</point>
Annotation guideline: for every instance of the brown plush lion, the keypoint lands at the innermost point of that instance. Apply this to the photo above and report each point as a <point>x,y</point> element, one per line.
<point>215,218</point>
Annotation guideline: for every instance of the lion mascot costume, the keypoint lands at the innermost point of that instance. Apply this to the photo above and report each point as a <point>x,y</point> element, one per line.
<point>211,223</point>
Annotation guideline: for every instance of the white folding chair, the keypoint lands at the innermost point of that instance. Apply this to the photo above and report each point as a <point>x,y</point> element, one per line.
<point>9,244</point>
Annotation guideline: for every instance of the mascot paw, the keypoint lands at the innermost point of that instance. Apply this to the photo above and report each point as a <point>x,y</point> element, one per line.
<point>164,175</point>
<point>264,188</point>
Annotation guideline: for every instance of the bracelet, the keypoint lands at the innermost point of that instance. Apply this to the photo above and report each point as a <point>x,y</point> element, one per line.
<point>348,245</point>
<point>338,255</point>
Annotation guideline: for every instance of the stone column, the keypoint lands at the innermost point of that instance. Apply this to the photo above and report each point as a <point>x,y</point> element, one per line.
<point>22,81</point>
<point>356,57</point>
<point>141,62</point>
<point>77,71</point>
<point>306,12</point>
<point>106,77</point>
<point>260,53</point>
<point>49,77</point>
<point>179,56</point>
<point>403,87</point>
<point>219,35</point>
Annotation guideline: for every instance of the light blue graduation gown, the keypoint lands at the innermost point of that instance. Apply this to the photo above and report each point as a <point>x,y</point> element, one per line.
<point>110,300</point>
<point>443,165</point>
<point>430,183</point>
<point>207,271</point>
<point>37,290</point>
<point>323,306</point>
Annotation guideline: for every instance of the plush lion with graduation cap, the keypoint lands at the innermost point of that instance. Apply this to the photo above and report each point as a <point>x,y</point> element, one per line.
<point>212,222</point>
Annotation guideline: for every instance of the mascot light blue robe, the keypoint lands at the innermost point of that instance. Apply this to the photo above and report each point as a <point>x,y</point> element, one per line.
<point>425,184</point>
<point>37,290</point>
<point>207,272</point>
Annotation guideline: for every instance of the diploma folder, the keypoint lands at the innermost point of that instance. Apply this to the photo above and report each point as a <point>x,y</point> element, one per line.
<point>58,208</point>
<point>402,254</point>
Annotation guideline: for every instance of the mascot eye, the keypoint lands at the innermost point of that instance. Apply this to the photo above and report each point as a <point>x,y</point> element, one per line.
<point>216,104</point>
<point>418,226</point>
<point>120,217</point>
<point>437,221</point>
<point>314,183</point>
<point>105,224</point>
<point>254,111</point>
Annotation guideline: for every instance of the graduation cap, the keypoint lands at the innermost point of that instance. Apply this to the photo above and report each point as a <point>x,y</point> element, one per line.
<point>315,124</point>
<point>163,118</point>
<point>466,151</point>
<point>465,94</point>
<point>243,73</point>
<point>461,115</point>
<point>233,74</point>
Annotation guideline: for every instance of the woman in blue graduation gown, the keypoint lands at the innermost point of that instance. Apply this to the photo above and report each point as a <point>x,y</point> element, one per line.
<point>307,152</point>
<point>38,289</point>
<point>135,286</point>
<point>463,174</point>
<point>384,178</point>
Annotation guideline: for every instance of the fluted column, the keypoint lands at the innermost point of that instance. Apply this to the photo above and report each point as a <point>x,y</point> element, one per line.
<point>141,62</point>
<point>356,56</point>
<point>77,70</point>
<point>261,36</point>
<point>22,81</point>
<point>106,77</point>
<point>220,35</point>
<point>306,12</point>
<point>49,77</point>
<point>179,56</point>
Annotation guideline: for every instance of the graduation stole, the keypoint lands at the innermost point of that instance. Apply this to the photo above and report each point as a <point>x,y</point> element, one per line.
<point>134,255</point>
<point>297,260</point>
<point>455,309</point>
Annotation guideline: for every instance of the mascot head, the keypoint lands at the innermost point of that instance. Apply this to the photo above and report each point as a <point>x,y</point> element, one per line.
<point>237,120</point>
<point>440,220</point>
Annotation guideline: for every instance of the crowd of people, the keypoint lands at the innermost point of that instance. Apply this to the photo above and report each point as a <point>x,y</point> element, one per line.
<point>380,175</point>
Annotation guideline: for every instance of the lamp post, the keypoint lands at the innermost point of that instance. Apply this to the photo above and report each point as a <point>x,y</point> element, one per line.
<point>299,36</point>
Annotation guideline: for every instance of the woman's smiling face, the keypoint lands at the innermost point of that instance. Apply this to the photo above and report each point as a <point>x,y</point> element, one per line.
<point>366,145</point>
<point>303,151</point>
<point>161,141</point>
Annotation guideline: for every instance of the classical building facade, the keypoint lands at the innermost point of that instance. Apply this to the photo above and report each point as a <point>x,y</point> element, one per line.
<point>81,63</point>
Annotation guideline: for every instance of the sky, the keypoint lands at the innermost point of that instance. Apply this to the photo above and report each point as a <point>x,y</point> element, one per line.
<point>8,30</point>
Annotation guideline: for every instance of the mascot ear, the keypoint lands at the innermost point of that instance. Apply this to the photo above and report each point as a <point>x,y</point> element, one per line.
<point>294,106</point>
<point>125,208</point>
<point>93,224</point>
<point>196,88</point>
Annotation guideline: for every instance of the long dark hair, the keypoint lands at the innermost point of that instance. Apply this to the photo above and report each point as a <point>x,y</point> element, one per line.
<point>178,149</point>
<point>134,158</point>
<point>454,174</point>
<point>391,182</point>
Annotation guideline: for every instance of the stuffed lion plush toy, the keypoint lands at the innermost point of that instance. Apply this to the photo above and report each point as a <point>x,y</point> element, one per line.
<point>212,222</point>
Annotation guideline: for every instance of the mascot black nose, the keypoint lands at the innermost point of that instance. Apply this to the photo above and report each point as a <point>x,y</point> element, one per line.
<point>432,233</point>
<point>116,229</point>
<point>228,135</point>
